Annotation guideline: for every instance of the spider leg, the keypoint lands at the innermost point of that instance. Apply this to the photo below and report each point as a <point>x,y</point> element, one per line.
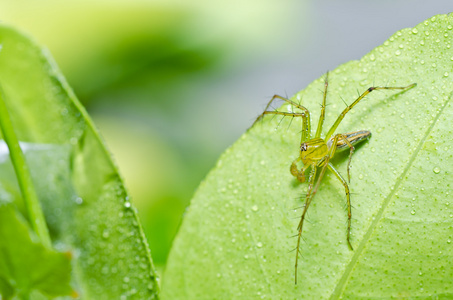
<point>323,108</point>
<point>348,199</point>
<point>302,218</point>
<point>333,148</point>
<point>305,114</point>
<point>348,108</point>
<point>312,189</point>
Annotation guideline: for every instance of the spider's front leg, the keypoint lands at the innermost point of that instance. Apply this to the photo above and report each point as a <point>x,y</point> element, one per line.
<point>312,189</point>
<point>305,115</point>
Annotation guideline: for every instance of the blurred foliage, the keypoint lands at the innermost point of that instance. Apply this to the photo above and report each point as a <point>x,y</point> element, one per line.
<point>145,70</point>
<point>87,209</point>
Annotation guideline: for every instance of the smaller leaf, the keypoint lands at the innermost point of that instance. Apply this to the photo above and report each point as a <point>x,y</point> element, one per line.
<point>6,290</point>
<point>26,265</point>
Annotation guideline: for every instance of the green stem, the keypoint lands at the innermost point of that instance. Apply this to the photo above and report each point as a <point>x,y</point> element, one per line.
<point>32,205</point>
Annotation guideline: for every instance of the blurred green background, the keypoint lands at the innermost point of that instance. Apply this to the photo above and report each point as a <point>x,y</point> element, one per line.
<point>171,84</point>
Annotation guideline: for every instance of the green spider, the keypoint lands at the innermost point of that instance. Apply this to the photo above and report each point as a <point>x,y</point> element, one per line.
<point>316,152</point>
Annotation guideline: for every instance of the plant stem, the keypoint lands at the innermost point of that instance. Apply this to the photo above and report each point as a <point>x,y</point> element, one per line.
<point>32,205</point>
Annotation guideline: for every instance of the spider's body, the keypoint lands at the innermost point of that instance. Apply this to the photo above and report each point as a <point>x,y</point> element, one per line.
<point>316,152</point>
<point>314,149</point>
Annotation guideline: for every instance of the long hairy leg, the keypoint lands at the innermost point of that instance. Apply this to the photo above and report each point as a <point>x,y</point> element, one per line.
<point>348,199</point>
<point>305,114</point>
<point>323,108</point>
<point>312,189</point>
<point>302,218</point>
<point>348,108</point>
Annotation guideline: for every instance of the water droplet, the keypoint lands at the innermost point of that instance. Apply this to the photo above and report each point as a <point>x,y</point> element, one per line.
<point>78,200</point>
<point>259,244</point>
<point>397,52</point>
<point>436,170</point>
<point>373,149</point>
<point>446,74</point>
<point>255,207</point>
<point>127,204</point>
<point>412,212</point>
<point>414,30</point>
<point>448,241</point>
<point>126,279</point>
<point>426,32</point>
<point>372,57</point>
<point>360,176</point>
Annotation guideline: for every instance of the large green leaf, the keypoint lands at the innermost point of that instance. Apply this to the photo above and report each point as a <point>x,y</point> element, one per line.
<point>84,201</point>
<point>236,238</point>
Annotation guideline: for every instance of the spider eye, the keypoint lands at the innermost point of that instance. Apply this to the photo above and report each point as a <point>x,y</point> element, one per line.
<point>303,147</point>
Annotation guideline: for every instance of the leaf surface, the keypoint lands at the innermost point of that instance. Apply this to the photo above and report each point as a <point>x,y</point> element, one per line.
<point>236,238</point>
<point>26,265</point>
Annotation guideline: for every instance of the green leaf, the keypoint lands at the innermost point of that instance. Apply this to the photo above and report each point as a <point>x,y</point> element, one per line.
<point>28,193</point>
<point>84,201</point>
<point>236,238</point>
<point>27,265</point>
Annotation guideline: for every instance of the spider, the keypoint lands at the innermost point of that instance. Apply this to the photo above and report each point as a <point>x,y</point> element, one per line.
<point>316,152</point>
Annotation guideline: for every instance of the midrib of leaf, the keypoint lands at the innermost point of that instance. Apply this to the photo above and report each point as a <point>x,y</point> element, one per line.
<point>358,252</point>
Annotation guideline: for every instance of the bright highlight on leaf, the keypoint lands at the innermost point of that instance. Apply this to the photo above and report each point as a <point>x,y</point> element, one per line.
<point>236,238</point>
